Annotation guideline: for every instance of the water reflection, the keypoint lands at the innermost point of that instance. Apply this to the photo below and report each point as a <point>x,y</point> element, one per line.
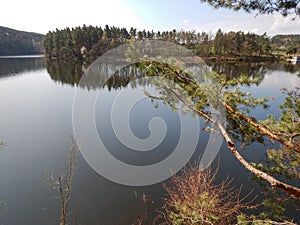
<point>70,73</point>
<point>15,66</point>
<point>286,67</point>
<point>65,72</point>
<point>234,70</point>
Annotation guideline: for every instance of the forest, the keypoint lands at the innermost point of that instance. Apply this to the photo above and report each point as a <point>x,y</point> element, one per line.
<point>14,42</point>
<point>88,42</point>
<point>289,43</point>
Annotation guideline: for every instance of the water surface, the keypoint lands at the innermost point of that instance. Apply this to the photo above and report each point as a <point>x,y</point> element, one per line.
<point>36,125</point>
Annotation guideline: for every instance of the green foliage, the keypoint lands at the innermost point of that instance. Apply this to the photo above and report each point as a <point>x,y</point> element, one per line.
<point>239,44</point>
<point>276,210</point>
<point>282,162</point>
<point>288,124</point>
<point>243,101</point>
<point>201,96</point>
<point>290,43</point>
<point>13,42</point>
<point>264,7</point>
<point>186,209</point>
<point>254,220</point>
<point>290,118</point>
<point>273,213</point>
<point>170,86</point>
<point>67,43</point>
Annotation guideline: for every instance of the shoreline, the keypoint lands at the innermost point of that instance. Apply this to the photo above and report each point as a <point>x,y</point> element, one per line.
<point>209,59</point>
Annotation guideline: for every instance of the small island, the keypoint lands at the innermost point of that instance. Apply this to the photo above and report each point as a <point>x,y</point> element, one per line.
<point>86,43</point>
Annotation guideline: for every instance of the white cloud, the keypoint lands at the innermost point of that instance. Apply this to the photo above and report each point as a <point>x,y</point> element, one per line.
<point>271,24</point>
<point>284,24</point>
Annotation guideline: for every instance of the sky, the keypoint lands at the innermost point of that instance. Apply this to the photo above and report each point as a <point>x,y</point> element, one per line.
<point>43,16</point>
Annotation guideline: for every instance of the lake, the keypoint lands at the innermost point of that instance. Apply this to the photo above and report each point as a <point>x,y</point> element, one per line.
<point>36,128</point>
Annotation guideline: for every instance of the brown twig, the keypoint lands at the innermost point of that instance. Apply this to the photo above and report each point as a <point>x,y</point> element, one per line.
<point>64,185</point>
<point>194,198</point>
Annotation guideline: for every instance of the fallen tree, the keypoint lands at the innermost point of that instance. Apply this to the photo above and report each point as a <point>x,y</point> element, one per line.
<point>241,126</point>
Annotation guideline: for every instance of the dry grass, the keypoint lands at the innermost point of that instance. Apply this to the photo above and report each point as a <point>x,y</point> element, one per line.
<point>194,198</point>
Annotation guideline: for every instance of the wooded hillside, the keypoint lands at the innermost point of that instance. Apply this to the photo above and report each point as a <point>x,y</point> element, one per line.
<point>287,42</point>
<point>14,42</point>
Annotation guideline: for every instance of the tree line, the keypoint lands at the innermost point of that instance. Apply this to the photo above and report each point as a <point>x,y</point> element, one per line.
<point>89,42</point>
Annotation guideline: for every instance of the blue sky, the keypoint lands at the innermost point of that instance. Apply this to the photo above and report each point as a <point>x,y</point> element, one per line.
<point>40,16</point>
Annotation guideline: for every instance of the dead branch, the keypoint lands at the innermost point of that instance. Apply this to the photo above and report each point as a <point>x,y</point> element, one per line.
<point>63,185</point>
<point>194,198</point>
<point>65,195</point>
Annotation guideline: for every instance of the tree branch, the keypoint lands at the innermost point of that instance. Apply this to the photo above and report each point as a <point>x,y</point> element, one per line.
<point>294,191</point>
<point>262,129</point>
